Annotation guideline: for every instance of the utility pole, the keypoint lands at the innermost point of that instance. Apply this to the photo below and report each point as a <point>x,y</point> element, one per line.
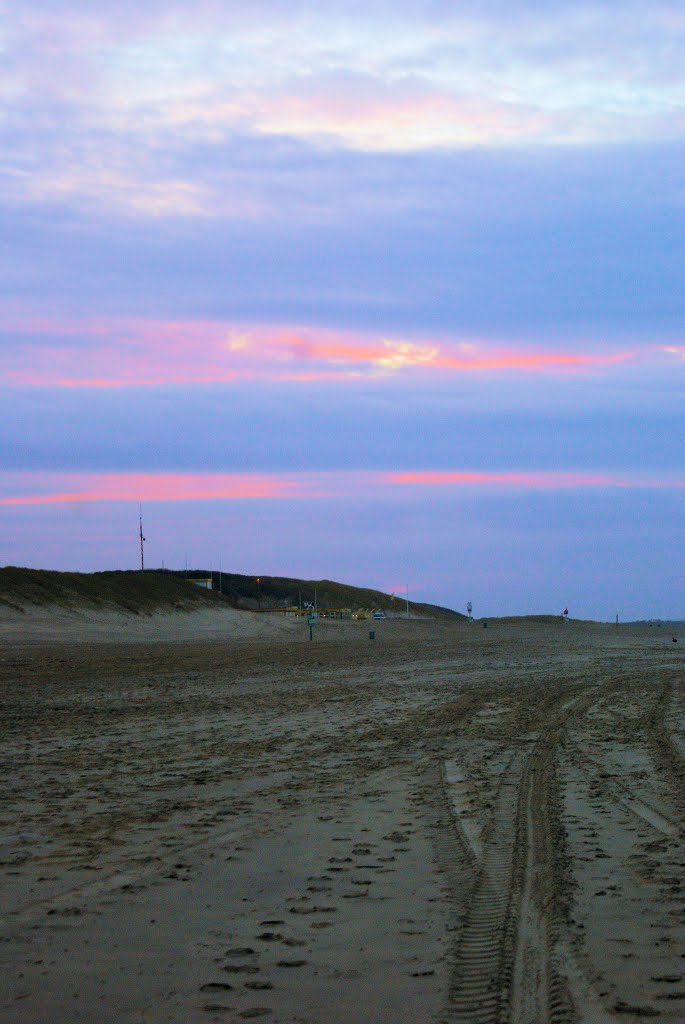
<point>142,539</point>
<point>407,600</point>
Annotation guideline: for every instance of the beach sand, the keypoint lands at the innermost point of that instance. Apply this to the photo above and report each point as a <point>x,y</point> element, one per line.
<point>207,817</point>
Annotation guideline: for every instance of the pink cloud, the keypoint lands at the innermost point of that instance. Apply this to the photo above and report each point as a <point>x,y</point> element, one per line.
<point>120,353</point>
<point>535,479</point>
<point>381,112</point>
<point>371,114</point>
<point>508,360</point>
<point>85,487</point>
<point>67,488</point>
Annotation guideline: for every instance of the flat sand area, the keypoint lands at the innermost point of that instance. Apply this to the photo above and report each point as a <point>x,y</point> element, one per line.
<point>209,819</point>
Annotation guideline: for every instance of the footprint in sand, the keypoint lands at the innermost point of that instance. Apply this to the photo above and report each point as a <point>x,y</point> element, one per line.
<point>313,910</point>
<point>396,837</point>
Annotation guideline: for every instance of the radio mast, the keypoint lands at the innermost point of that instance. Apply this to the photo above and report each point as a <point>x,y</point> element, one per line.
<point>142,539</point>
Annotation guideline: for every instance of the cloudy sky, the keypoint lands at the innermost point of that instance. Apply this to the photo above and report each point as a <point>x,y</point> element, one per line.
<point>389,293</point>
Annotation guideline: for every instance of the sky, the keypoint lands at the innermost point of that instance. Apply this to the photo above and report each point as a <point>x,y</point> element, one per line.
<point>387,293</point>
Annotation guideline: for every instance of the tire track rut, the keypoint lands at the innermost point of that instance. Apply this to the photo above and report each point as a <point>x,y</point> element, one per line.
<point>506,968</point>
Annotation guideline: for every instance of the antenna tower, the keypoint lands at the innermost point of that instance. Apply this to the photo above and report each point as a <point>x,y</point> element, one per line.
<point>142,539</point>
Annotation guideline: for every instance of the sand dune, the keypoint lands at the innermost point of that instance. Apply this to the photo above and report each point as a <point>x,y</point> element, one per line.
<point>51,625</point>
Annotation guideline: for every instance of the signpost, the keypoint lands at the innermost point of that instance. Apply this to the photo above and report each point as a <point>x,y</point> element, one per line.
<point>311,620</point>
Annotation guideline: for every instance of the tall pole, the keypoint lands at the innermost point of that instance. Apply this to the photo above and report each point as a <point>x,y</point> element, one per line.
<point>220,585</point>
<point>142,539</point>
<point>407,600</point>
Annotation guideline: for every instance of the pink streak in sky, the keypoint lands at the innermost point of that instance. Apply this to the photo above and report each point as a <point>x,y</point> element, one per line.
<point>33,488</point>
<point>535,479</point>
<point>149,353</point>
<point>155,487</point>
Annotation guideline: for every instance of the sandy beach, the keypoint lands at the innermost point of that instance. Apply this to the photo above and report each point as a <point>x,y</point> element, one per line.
<point>212,818</point>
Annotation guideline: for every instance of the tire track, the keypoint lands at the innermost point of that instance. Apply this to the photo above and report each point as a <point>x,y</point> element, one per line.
<point>622,794</point>
<point>505,967</point>
<point>453,852</point>
<point>479,990</point>
<point>625,854</point>
<point>666,751</point>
